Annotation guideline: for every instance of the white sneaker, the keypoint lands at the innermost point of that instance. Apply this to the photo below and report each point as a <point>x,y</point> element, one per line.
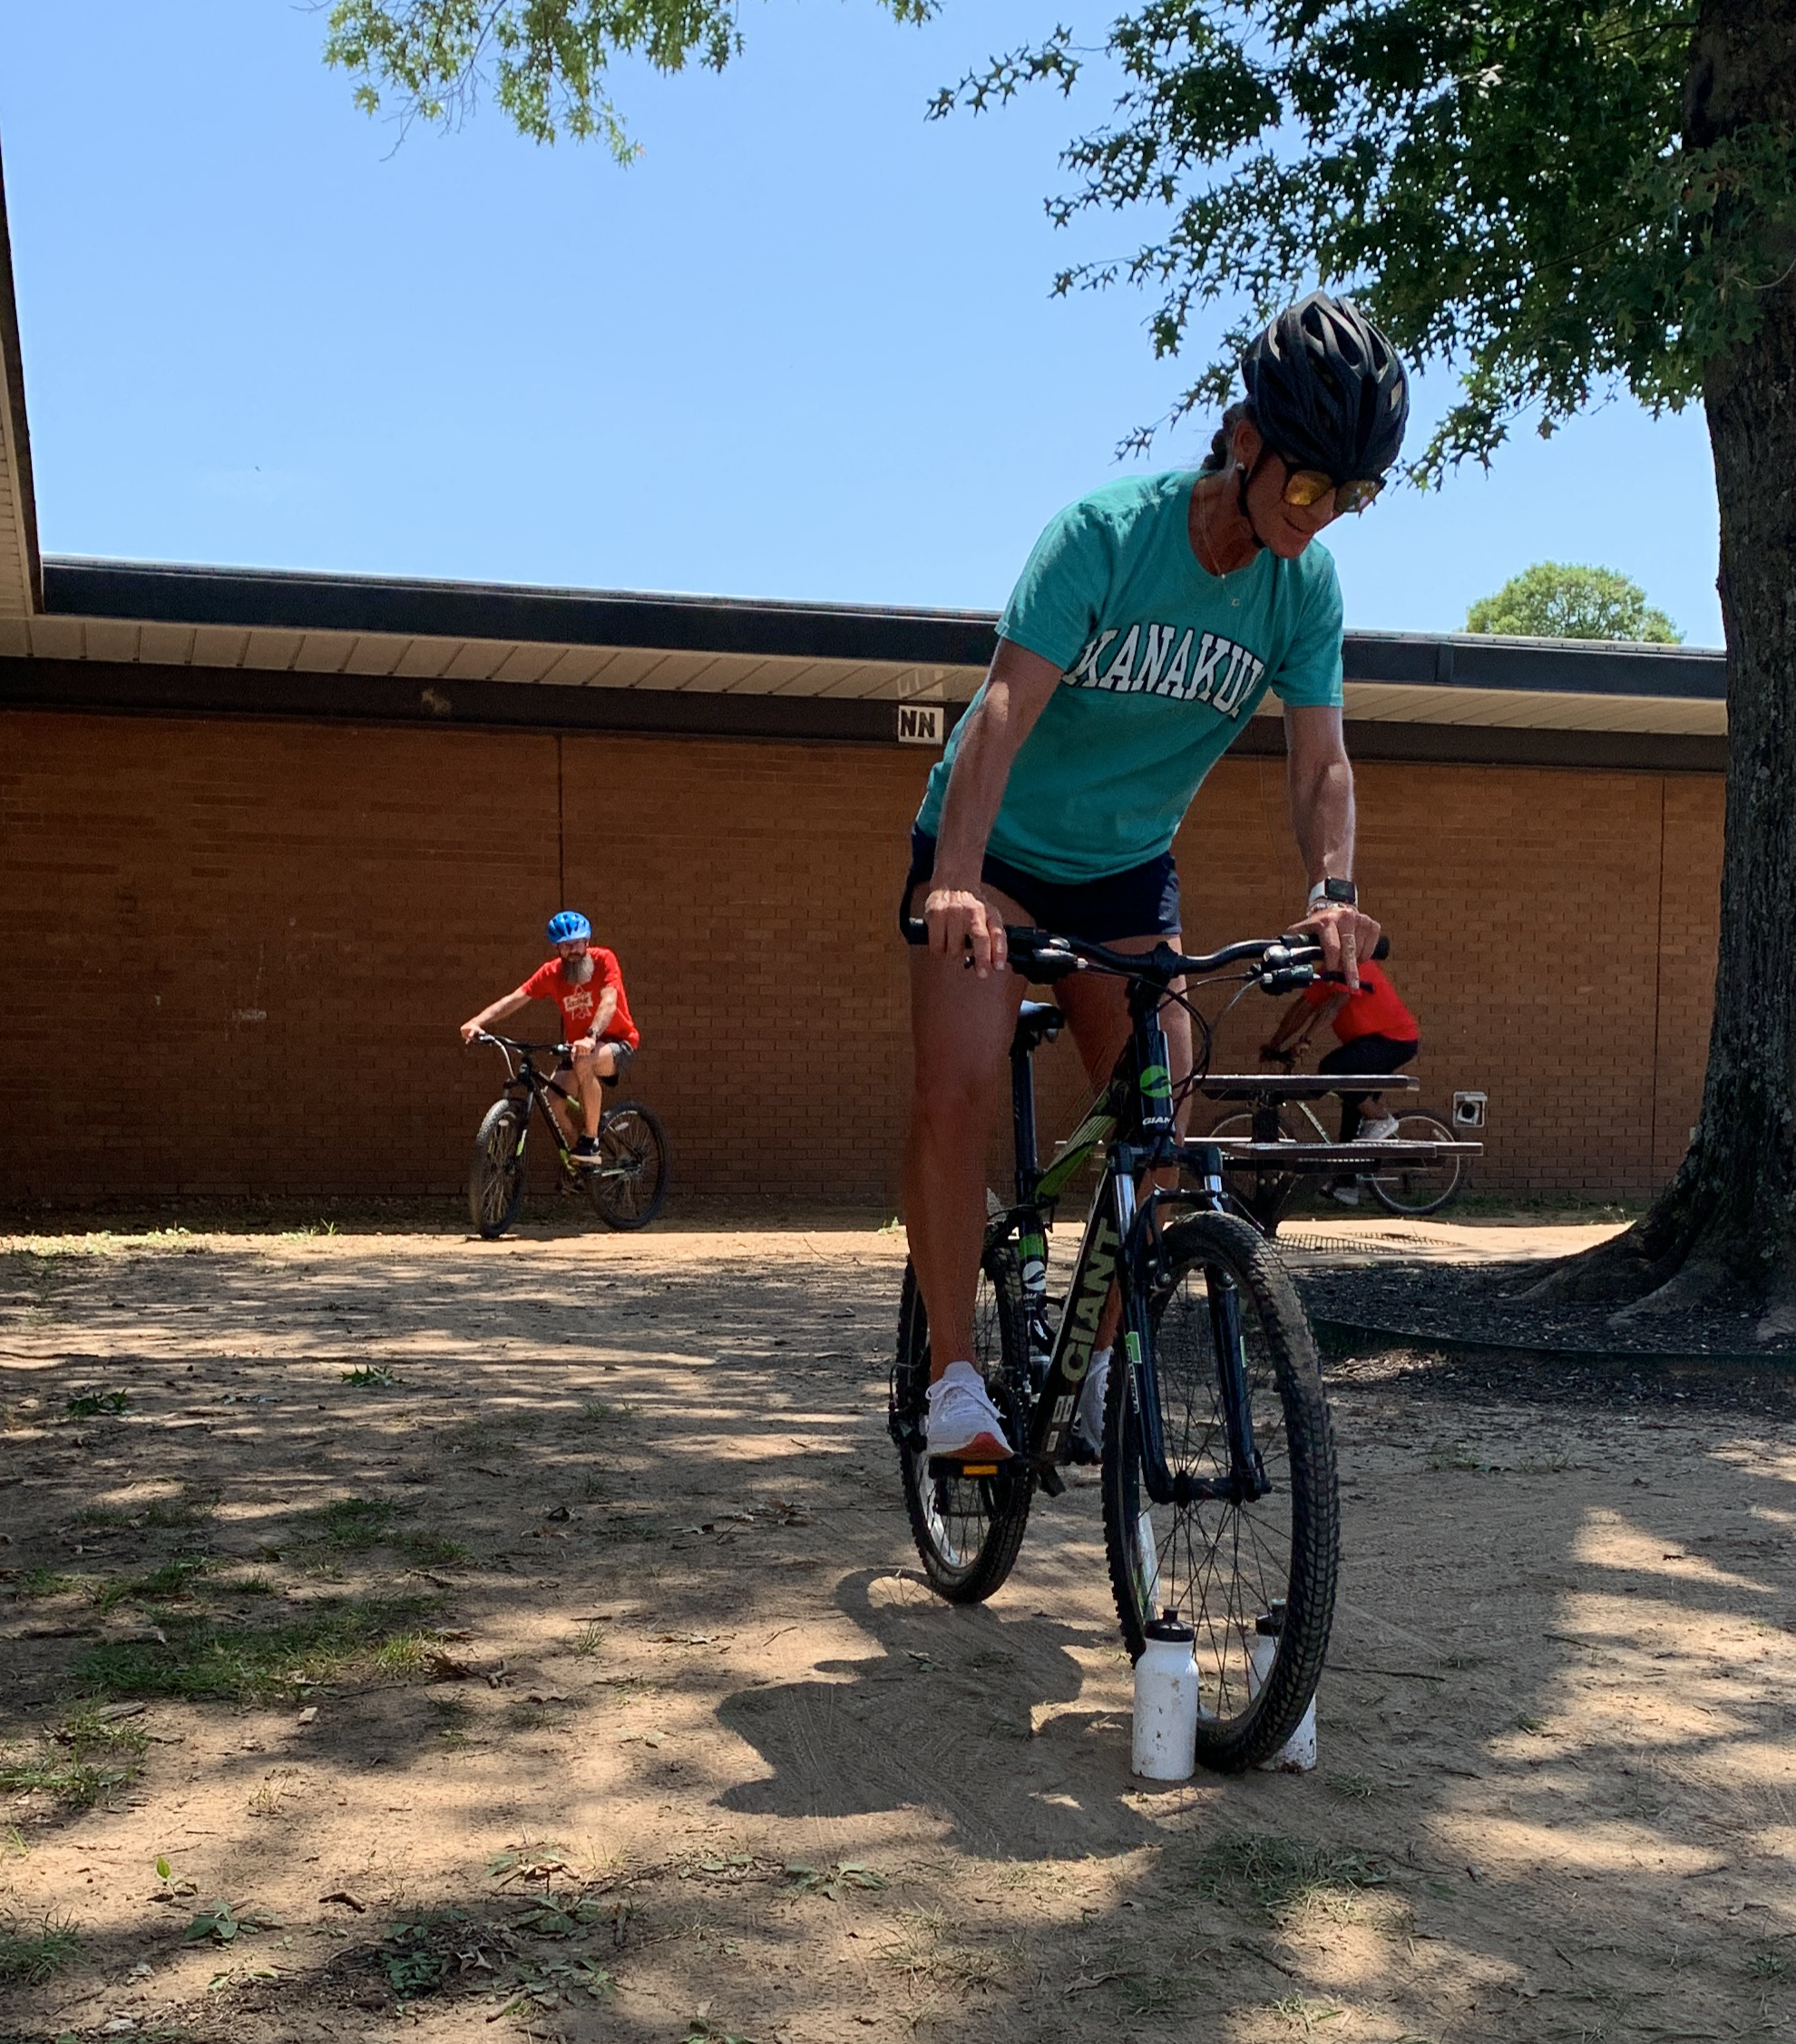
<point>1349,1196</point>
<point>960,1419</point>
<point>1089,1420</point>
<point>1379,1131</point>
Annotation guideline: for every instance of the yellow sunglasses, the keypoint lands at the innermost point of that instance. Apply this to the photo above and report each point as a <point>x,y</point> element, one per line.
<point>1307,487</point>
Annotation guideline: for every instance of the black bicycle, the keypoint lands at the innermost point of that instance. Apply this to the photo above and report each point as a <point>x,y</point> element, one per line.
<point>1218,1474</point>
<point>626,1186</point>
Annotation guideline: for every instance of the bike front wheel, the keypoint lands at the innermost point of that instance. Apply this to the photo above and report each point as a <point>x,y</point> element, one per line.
<point>968,1529</point>
<point>1424,1188</point>
<point>629,1185</point>
<point>1235,1570</point>
<point>497,1175</point>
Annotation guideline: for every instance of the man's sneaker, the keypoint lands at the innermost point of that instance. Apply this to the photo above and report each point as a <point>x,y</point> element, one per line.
<point>960,1419</point>
<point>1379,1131</point>
<point>586,1153</point>
<point>1347,1192</point>
<point>1088,1427</point>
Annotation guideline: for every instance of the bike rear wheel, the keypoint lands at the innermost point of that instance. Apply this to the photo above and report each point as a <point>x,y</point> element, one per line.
<point>1413,1188</point>
<point>629,1186</point>
<point>496,1175</point>
<point>968,1529</point>
<point>1221,1565</point>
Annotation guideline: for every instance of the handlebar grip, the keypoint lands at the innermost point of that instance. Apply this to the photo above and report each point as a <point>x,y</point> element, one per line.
<point>1382,949</point>
<point>915,931</point>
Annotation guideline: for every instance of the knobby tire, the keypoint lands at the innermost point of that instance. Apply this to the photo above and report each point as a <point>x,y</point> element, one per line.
<point>968,1529</point>
<point>1221,1564</point>
<point>497,1175</point>
<point>628,1189</point>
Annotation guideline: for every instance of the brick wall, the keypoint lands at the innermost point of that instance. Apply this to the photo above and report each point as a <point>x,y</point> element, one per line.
<point>235,951</point>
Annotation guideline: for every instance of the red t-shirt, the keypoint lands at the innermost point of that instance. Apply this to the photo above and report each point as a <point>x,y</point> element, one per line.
<point>1376,1010</point>
<point>579,1004</point>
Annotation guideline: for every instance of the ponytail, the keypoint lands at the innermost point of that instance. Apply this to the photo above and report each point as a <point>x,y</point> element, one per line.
<point>1218,458</point>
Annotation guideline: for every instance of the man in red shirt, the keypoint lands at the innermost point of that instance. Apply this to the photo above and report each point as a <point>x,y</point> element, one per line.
<point>1378,1034</point>
<point>584,980</point>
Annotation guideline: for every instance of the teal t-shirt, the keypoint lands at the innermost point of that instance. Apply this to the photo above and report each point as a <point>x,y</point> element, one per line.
<point>1162,664</point>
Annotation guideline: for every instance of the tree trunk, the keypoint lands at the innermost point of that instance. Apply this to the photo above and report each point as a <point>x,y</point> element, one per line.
<point>1725,1227</point>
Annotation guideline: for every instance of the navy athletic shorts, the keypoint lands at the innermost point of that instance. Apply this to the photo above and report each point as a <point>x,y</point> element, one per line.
<point>1142,901</point>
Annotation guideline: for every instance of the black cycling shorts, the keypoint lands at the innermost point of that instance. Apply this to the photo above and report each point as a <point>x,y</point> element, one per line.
<point>1141,901</point>
<point>1368,1055</point>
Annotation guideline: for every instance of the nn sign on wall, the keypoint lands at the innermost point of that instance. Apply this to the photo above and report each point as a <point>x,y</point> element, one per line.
<point>919,723</point>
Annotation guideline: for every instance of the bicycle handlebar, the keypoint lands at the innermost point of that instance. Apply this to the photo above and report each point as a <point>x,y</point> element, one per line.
<point>1037,949</point>
<point>512,1043</point>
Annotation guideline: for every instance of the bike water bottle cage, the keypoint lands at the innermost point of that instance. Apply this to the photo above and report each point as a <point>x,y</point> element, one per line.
<point>567,927</point>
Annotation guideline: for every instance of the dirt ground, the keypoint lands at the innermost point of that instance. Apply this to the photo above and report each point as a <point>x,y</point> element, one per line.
<point>460,1641</point>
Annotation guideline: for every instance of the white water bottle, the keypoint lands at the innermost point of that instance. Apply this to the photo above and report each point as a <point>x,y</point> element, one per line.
<point>1297,1755</point>
<point>1166,1702</point>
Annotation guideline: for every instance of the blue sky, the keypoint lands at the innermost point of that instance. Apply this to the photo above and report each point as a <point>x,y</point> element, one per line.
<point>804,348</point>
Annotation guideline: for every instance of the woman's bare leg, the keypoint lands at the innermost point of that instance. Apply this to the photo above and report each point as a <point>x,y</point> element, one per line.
<point>961,1030</point>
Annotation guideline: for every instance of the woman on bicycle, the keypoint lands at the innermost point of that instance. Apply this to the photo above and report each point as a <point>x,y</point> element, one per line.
<point>1150,619</point>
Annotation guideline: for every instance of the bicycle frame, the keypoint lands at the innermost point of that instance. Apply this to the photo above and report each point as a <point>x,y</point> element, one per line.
<point>1120,1243</point>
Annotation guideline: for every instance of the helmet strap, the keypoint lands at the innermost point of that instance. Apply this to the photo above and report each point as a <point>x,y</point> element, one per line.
<point>1247,476</point>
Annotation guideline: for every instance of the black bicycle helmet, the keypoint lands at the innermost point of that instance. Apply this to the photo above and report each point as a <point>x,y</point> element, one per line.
<point>1328,390</point>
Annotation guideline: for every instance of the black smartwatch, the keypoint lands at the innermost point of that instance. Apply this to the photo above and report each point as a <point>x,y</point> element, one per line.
<point>1341,892</point>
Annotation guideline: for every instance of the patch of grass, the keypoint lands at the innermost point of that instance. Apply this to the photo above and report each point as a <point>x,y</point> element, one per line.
<point>589,1639</point>
<point>242,1586</point>
<point>1303,2013</point>
<point>1279,1876</point>
<point>370,1376</point>
<point>192,1508</point>
<point>356,1525</point>
<point>30,1957</point>
<point>433,1549</point>
<point>927,1954</point>
<point>334,1640</point>
<point>98,1515</point>
<point>594,1412</point>
<point>82,1762</point>
<point>47,1582</point>
<point>169,1583</point>
<point>351,1525</point>
<point>13,1843</point>
<point>1355,1788</point>
<point>1767,1965</point>
<point>90,1405</point>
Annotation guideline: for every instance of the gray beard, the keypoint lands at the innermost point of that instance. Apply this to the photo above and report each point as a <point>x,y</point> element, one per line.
<point>579,970</point>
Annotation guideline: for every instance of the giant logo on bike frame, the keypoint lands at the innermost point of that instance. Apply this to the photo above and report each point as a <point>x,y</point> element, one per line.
<point>1155,660</point>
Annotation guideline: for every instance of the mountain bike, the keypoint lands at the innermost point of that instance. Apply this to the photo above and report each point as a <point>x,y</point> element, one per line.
<point>1218,1474</point>
<point>626,1187</point>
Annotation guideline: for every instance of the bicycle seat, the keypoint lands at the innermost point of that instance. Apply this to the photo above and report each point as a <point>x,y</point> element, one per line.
<point>1036,1022</point>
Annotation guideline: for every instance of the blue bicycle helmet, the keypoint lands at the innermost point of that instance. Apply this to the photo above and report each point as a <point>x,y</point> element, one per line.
<point>564,928</point>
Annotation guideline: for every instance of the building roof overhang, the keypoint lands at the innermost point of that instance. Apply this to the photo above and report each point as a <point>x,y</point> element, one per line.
<point>549,644</point>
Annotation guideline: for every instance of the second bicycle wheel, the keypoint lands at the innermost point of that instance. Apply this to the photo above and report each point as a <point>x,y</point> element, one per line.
<point>497,1175</point>
<point>1419,1188</point>
<point>629,1186</point>
<point>1223,1564</point>
<point>967,1528</point>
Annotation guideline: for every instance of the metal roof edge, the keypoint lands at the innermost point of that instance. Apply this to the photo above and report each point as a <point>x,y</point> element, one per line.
<point>295,601</point>
<point>370,605</point>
